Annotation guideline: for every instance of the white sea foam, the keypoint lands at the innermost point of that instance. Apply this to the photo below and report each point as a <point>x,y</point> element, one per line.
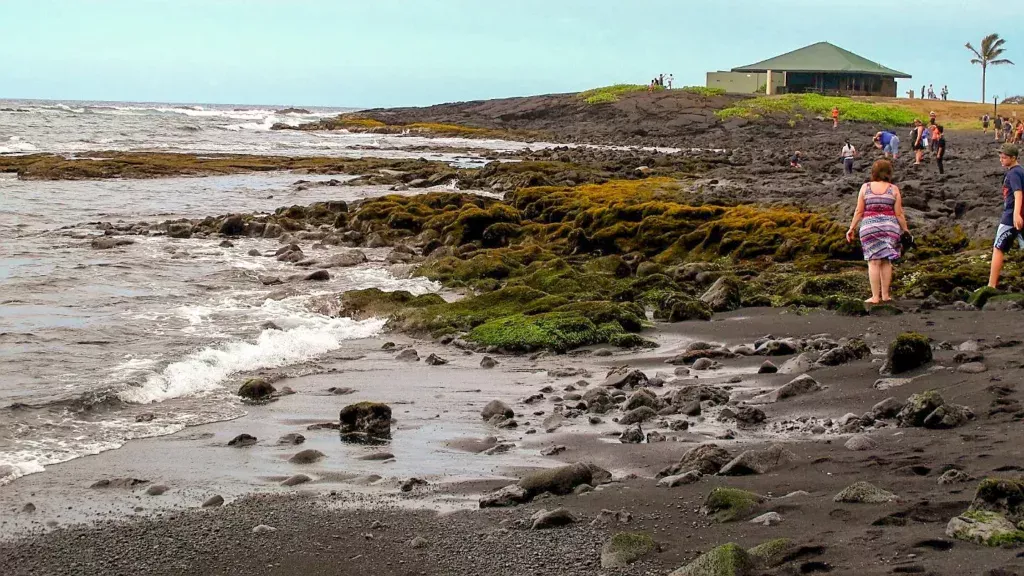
<point>16,145</point>
<point>206,370</point>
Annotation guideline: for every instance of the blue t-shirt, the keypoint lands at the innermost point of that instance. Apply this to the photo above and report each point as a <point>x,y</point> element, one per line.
<point>1013,182</point>
<point>886,138</point>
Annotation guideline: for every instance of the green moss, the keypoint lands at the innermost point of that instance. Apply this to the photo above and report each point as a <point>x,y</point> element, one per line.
<point>730,504</point>
<point>678,307</point>
<point>771,553</point>
<point>611,94</point>
<point>726,560</point>
<point>848,306</point>
<point>1002,495</point>
<point>627,316</point>
<point>467,313</point>
<point>556,331</point>
<point>703,91</point>
<point>625,548</point>
<point>374,302</point>
<point>982,295</point>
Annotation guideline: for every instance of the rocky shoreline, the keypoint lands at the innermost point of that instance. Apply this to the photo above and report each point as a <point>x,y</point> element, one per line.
<point>719,398</point>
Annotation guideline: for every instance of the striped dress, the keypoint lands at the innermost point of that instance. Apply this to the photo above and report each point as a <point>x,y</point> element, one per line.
<point>880,230</point>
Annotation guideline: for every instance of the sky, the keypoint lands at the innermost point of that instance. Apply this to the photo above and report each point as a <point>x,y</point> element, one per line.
<point>368,53</point>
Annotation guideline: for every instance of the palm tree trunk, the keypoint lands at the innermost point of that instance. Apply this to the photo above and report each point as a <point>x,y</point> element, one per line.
<point>984,69</point>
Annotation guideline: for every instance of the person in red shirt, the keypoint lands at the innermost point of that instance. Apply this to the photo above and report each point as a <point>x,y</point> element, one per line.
<point>835,117</point>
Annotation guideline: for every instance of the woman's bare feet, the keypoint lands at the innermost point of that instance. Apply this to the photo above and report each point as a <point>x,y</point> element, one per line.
<point>873,301</point>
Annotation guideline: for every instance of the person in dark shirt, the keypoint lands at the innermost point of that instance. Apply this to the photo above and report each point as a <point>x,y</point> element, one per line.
<point>940,149</point>
<point>794,161</point>
<point>1012,221</point>
<point>999,127</point>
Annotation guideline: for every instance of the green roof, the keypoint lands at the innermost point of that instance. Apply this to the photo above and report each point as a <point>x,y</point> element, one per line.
<point>822,57</point>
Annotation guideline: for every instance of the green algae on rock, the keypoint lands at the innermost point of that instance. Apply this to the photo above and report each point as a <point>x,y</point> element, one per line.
<point>771,553</point>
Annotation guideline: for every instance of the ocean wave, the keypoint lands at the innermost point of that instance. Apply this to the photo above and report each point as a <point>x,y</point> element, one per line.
<point>15,145</point>
<point>206,370</point>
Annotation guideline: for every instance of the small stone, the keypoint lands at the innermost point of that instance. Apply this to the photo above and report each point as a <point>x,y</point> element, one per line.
<point>28,508</point>
<point>680,479</point>
<point>972,368</point>
<point>307,457</point>
<point>703,364</point>
<point>954,477</point>
<point>157,490</point>
<point>242,441</point>
<point>318,276</point>
<point>214,501</point>
<point>487,363</point>
<point>263,529</point>
<point>291,439</point>
<point>632,435</point>
<point>767,368</point>
<point>769,519</point>
<point>296,480</point>
<point>412,483</point>
<point>408,355</point>
<point>860,443</point>
<point>435,360</point>
<point>864,493</point>
<point>544,519</point>
<point>418,543</point>
<point>553,450</point>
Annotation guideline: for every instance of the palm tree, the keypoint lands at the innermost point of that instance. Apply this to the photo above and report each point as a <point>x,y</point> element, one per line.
<point>991,50</point>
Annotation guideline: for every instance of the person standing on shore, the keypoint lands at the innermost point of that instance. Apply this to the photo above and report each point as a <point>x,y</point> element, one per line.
<point>889,142</point>
<point>835,117</point>
<point>920,135</point>
<point>940,148</point>
<point>945,93</point>
<point>669,80</point>
<point>848,154</point>
<point>984,123</point>
<point>998,126</point>
<point>882,222</point>
<point>1012,221</point>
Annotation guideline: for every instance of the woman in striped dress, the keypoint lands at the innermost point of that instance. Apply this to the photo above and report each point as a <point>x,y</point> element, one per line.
<point>881,219</point>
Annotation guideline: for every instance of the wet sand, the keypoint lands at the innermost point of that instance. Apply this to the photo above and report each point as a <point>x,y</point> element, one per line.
<point>321,527</point>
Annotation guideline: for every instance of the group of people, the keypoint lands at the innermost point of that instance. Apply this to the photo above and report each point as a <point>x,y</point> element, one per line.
<point>1006,129</point>
<point>881,224</point>
<point>930,137</point>
<point>661,81</point>
<point>930,94</point>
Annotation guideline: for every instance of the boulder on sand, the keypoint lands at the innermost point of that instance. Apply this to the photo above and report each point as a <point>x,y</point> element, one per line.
<point>864,493</point>
<point>638,415</point>
<point>907,352</point>
<point>797,387</point>
<point>758,461</point>
<point>242,441</point>
<point>372,419</point>
<point>706,458</point>
<point>559,481</point>
<point>731,504</point>
<point>496,408</point>
<point>307,457</point>
<point>930,410</point>
<point>726,560</point>
<point>256,389</point>
<point>624,378</point>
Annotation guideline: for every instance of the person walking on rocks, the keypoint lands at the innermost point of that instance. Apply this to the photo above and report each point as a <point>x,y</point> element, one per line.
<point>984,123</point>
<point>835,117</point>
<point>882,221</point>
<point>998,126</point>
<point>1012,221</point>
<point>940,148</point>
<point>848,154</point>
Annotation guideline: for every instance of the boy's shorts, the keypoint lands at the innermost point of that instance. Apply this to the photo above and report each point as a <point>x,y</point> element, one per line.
<point>1006,236</point>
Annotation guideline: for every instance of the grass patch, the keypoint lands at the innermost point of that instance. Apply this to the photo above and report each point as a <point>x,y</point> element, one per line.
<point>849,110</point>
<point>611,94</point>
<point>704,91</point>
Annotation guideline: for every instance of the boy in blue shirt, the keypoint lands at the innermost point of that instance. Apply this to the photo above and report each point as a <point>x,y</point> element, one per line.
<point>1012,222</point>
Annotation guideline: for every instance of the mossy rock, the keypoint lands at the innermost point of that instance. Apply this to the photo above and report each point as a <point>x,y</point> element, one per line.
<point>909,351</point>
<point>648,269</point>
<point>771,553</point>
<point>1001,495</point>
<point>256,389</point>
<point>467,313</point>
<point>985,528</point>
<point>628,315</point>
<point>625,548</point>
<point>557,331</point>
<point>612,265</point>
<point>731,504</point>
<point>980,296</point>
<point>848,307</point>
<point>726,560</point>
<point>826,285</point>
<point>373,302</point>
<point>678,307</point>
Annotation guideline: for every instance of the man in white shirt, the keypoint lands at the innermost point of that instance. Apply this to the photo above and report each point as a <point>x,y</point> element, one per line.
<point>848,154</point>
<point>669,81</point>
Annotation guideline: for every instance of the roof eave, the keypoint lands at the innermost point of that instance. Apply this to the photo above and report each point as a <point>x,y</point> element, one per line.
<point>893,73</point>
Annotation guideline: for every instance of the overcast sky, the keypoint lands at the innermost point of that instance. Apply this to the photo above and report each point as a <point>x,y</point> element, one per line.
<point>410,52</point>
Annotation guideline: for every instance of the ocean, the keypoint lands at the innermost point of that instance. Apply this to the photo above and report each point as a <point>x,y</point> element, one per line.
<point>101,347</point>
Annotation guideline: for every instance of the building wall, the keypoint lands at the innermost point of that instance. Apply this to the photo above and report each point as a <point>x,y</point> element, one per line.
<point>743,83</point>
